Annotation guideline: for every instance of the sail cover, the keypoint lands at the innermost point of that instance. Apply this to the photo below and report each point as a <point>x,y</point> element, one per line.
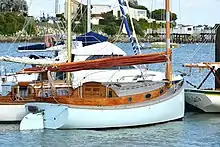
<point>101,63</point>
<point>91,38</point>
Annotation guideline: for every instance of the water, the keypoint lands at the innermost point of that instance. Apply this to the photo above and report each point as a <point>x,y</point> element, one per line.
<point>195,130</point>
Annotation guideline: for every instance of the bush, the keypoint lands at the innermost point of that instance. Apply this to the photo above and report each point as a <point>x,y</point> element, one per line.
<point>111,29</point>
<point>12,22</point>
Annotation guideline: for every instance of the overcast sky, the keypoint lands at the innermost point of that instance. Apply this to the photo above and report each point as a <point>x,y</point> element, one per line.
<point>193,12</point>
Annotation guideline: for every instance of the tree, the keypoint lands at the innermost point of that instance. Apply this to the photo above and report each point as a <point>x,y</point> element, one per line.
<point>31,27</point>
<point>173,17</point>
<point>160,14</point>
<point>13,6</point>
<point>137,26</point>
<point>109,16</point>
<point>111,29</point>
<point>131,3</point>
<point>12,22</point>
<point>2,22</point>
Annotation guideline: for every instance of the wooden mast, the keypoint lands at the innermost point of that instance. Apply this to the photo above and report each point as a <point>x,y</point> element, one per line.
<point>168,50</point>
<point>69,36</point>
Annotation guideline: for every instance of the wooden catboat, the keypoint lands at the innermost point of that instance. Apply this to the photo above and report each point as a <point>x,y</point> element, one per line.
<point>102,105</point>
<point>95,105</point>
<point>106,105</point>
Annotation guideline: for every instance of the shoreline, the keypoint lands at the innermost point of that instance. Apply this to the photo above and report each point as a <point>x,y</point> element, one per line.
<point>12,39</point>
<point>122,39</point>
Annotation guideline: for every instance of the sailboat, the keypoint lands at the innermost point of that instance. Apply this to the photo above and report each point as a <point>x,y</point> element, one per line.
<point>206,100</point>
<point>99,50</point>
<point>96,105</point>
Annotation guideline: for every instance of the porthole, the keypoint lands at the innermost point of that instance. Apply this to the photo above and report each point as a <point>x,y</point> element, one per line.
<point>130,99</point>
<point>161,91</point>
<point>147,96</point>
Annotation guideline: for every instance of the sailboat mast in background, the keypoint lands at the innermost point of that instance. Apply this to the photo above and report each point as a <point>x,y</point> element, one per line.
<point>69,36</point>
<point>56,6</point>
<point>168,50</point>
<point>88,15</point>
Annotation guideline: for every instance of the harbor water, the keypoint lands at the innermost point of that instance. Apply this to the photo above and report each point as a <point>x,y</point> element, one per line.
<point>196,129</point>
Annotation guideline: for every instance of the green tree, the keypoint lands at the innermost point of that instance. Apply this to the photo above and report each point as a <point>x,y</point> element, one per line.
<point>160,14</point>
<point>144,24</point>
<point>131,3</point>
<point>111,29</point>
<point>138,29</point>
<point>31,27</point>
<point>108,16</point>
<point>12,22</point>
<point>2,23</point>
<point>13,6</point>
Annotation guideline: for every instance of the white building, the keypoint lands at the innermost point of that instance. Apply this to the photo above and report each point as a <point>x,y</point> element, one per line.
<point>97,10</point>
<point>183,29</point>
<point>134,13</point>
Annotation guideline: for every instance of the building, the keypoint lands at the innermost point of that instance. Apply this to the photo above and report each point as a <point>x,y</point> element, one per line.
<point>97,10</point>
<point>183,29</point>
<point>134,13</point>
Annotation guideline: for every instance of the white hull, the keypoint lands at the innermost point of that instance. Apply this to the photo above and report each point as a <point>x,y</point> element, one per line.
<point>12,113</point>
<point>205,100</point>
<point>158,111</point>
<point>171,109</point>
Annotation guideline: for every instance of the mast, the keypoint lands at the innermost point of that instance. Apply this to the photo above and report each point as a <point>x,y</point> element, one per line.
<point>132,26</point>
<point>69,36</point>
<point>217,53</point>
<point>168,50</point>
<point>56,6</point>
<point>127,28</point>
<point>88,15</point>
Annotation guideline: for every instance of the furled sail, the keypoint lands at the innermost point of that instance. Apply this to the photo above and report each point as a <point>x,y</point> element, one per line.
<point>101,63</point>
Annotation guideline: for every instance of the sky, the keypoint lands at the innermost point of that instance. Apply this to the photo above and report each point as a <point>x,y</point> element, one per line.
<point>189,12</point>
